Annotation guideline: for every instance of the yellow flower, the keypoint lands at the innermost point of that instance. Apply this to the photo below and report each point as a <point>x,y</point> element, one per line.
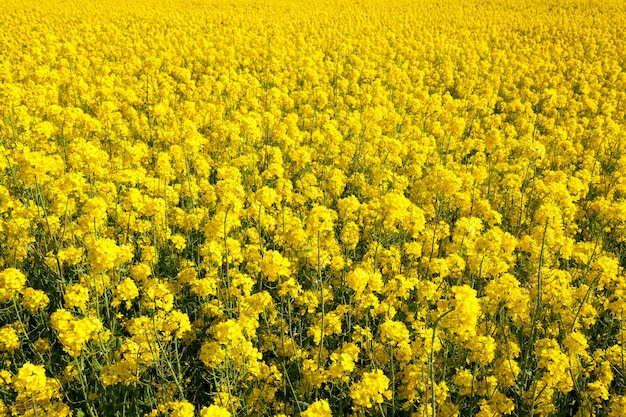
<point>227,332</point>
<point>360,278</point>
<point>555,363</point>
<point>321,219</point>
<point>176,322</point>
<point>483,349</point>
<point>507,371</point>
<point>464,380</point>
<point>204,287</point>
<point>74,333</point>
<point>76,296</point>
<point>274,265</point>
<point>394,332</point>
<point>5,378</point>
<point>141,271</point>
<point>125,291</point>
<point>350,235</point>
<point>70,255</point>
<point>617,405</point>
<point>157,294</point>
<point>371,389</point>
<point>214,411</point>
<point>464,317</point>
<point>576,344</point>
<point>94,216</point>
<point>124,372</point>
<point>212,354</point>
<point>343,361</point>
<point>11,281</point>
<point>34,300</point>
<point>42,345</point>
<point>318,409</point>
<point>178,241</point>
<point>30,378</point>
<point>37,393</point>
<point>180,409</point>
<point>9,340</point>
<point>103,255</point>
<point>598,390</point>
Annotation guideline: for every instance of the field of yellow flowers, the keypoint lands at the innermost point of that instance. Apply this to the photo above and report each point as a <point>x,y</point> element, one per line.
<point>312,208</point>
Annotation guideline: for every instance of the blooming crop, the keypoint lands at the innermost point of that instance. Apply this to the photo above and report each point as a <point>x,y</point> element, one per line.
<point>282,208</point>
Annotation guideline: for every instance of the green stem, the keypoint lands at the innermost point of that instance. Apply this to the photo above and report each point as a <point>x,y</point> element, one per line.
<point>431,367</point>
<point>321,284</point>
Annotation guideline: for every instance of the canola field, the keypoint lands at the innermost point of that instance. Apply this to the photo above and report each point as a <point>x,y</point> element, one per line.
<point>312,208</point>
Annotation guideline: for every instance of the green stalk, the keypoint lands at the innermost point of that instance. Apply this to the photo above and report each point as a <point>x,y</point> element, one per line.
<point>431,366</point>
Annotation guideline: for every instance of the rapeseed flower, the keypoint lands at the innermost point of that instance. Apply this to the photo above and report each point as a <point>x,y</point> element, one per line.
<point>9,340</point>
<point>11,282</point>
<point>372,389</point>
<point>375,210</point>
<point>318,409</point>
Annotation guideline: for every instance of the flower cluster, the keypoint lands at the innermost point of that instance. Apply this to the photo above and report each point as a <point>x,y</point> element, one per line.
<point>312,208</point>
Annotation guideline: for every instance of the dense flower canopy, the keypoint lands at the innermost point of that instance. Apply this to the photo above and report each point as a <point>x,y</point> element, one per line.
<point>316,208</point>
